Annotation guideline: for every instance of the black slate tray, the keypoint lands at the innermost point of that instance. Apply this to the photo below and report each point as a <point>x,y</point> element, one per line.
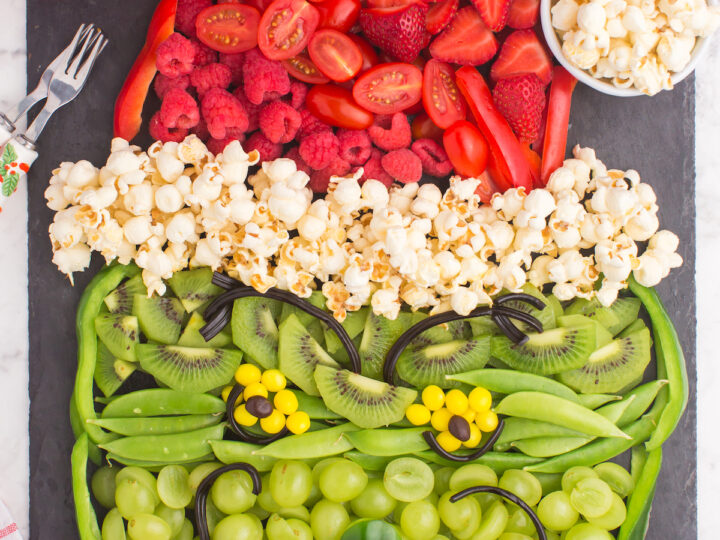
<point>655,136</point>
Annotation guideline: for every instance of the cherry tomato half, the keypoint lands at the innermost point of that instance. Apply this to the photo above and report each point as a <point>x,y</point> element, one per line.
<point>285,28</point>
<point>340,15</point>
<point>389,88</point>
<point>303,69</point>
<point>228,28</point>
<point>336,106</point>
<point>467,149</point>
<point>424,128</point>
<point>370,57</point>
<point>335,54</point>
<point>441,96</point>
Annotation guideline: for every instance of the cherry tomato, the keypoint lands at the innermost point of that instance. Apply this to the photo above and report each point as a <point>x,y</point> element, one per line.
<point>340,15</point>
<point>335,54</point>
<point>285,28</point>
<point>336,106</point>
<point>467,148</point>
<point>228,28</point>
<point>303,69</point>
<point>441,96</point>
<point>370,57</point>
<point>389,88</point>
<point>424,128</point>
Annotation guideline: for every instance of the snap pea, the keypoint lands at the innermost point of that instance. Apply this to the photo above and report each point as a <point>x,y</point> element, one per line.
<point>640,501</point>
<point>315,444</point>
<point>154,466</point>
<point>671,359</point>
<point>89,307</point>
<point>644,396</point>
<point>549,481</point>
<point>78,429</point>
<point>367,462</point>
<point>84,512</point>
<point>162,401</point>
<point>508,381</point>
<point>314,406</point>
<point>241,452</point>
<point>497,461</point>
<point>556,410</point>
<point>388,442</point>
<point>638,457</point>
<point>160,425</point>
<point>593,401</point>
<point>525,428</point>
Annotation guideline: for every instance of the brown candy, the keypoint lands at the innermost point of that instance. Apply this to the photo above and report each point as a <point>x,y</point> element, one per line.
<point>459,428</point>
<point>259,407</point>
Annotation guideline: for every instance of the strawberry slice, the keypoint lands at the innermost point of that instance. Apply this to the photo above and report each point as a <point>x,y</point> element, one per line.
<point>466,40</point>
<point>493,12</point>
<point>523,14</point>
<point>392,3</point>
<point>399,31</point>
<point>439,15</point>
<point>521,54</point>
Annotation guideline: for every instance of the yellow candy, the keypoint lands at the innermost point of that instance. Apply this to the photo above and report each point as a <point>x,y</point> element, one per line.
<point>433,397</point>
<point>419,415</point>
<point>273,380</point>
<point>456,402</point>
<point>286,402</point>
<point>243,417</point>
<point>274,423</point>
<point>247,374</point>
<point>255,389</point>
<point>469,415</point>
<point>480,399</point>
<point>487,421</point>
<point>225,393</point>
<point>475,436</point>
<point>448,441</point>
<point>440,419</point>
<point>298,422</point>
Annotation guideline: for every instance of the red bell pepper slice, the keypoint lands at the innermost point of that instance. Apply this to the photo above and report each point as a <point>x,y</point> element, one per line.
<point>130,100</point>
<point>507,155</point>
<point>558,118</point>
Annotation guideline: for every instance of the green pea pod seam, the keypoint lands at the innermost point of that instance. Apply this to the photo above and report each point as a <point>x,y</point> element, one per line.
<point>87,522</point>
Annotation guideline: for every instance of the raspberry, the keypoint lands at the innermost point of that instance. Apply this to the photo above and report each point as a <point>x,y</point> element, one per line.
<point>433,157</point>
<point>268,150</point>
<point>221,111</point>
<point>319,180</point>
<point>201,130</point>
<point>279,121</point>
<point>261,75</point>
<point>391,132</point>
<point>403,165</point>
<point>161,132</point>
<point>310,124</point>
<point>521,100</point>
<point>294,154</point>
<point>355,145</point>
<point>179,110</point>
<point>216,146</point>
<point>204,55</point>
<point>252,110</point>
<point>187,12</point>
<point>211,76</point>
<point>299,92</point>
<point>373,169</point>
<point>235,63</point>
<point>175,56</point>
<point>164,83</point>
<point>318,149</point>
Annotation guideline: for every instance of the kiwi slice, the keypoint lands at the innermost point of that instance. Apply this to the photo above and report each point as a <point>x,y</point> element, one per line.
<point>160,318</point>
<point>353,324</point>
<point>189,369</point>
<point>611,368</point>
<point>299,353</point>
<point>429,365</point>
<point>254,330</point>
<point>626,309</point>
<point>119,333</point>
<point>365,402</point>
<point>110,372</point>
<point>378,336</point>
<point>121,299</point>
<point>637,324</point>
<point>316,298</point>
<point>595,310</point>
<point>549,352</point>
<point>555,305</point>
<point>602,336</point>
<point>191,336</point>
<point>546,316</point>
<point>194,288</point>
<point>442,333</point>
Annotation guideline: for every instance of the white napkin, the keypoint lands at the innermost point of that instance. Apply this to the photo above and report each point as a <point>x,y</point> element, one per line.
<point>8,527</point>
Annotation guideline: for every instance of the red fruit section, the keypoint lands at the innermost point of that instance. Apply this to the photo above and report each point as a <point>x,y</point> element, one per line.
<point>441,96</point>
<point>389,88</point>
<point>337,107</point>
<point>523,53</point>
<point>285,28</point>
<point>493,12</point>
<point>466,41</point>
<point>228,28</point>
<point>523,14</point>
<point>335,55</point>
<point>440,14</point>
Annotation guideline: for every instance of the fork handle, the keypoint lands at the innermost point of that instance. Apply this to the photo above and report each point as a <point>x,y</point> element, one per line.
<point>17,156</point>
<point>6,129</point>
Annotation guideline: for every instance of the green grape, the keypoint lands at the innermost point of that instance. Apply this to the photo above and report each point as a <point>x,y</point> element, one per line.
<point>132,497</point>
<point>213,515</point>
<point>265,499</point>
<point>519,522</point>
<point>103,485</point>
<point>186,532</point>
<point>514,536</point>
<point>616,476</point>
<point>614,517</point>
<point>409,479</point>
<point>232,492</point>
<point>493,522</point>
<point>442,479</point>
<point>420,520</point>
<point>278,528</point>
<point>300,530</point>
<point>523,484</point>
<point>459,515</point>
<point>321,465</point>
<point>591,497</point>
<point>556,512</point>
<point>552,535</point>
<point>486,500</point>
<point>148,527</point>
<point>113,527</point>
<point>290,483</point>
<point>587,531</point>
<point>260,512</point>
<point>315,494</point>
<point>172,516</point>
<point>342,480</point>
<point>374,502</point>
<point>238,526</point>
<point>199,473</point>
<point>173,486</point>
<point>472,475</point>
<point>296,512</point>
<point>143,476</point>
<point>328,520</point>
<point>573,475</point>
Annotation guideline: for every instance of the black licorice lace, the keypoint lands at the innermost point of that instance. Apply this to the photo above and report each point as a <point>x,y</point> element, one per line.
<point>429,437</point>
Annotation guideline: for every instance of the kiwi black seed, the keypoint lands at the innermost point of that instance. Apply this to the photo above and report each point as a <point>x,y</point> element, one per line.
<point>459,428</point>
<point>259,407</point>
<point>119,333</point>
<point>160,318</point>
<point>121,299</point>
<point>378,336</point>
<point>110,372</point>
<point>194,288</point>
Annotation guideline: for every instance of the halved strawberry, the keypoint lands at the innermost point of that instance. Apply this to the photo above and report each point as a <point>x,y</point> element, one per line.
<point>522,53</point>
<point>399,31</point>
<point>493,12</point>
<point>466,40</point>
<point>392,3</point>
<point>523,14</point>
<point>439,15</point>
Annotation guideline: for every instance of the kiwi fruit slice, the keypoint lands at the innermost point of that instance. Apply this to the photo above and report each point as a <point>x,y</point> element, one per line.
<point>110,372</point>
<point>602,336</point>
<point>595,310</point>
<point>160,318</point>
<point>429,365</point>
<point>191,336</point>
<point>316,298</point>
<point>547,316</point>
<point>189,369</point>
<point>299,353</point>
<point>121,299</point>
<point>441,333</point>
<point>119,333</point>
<point>365,402</point>
<point>353,324</point>
<point>626,309</point>
<point>549,352</point>
<point>555,305</point>
<point>379,334</point>
<point>254,330</point>
<point>637,324</point>
<point>194,288</point>
<point>611,368</point>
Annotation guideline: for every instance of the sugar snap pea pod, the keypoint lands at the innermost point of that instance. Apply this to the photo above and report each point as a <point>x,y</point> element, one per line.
<point>160,425</point>
<point>644,396</point>
<point>556,410</point>
<point>84,512</point>
<point>638,457</point>
<point>314,406</point>
<point>367,462</point>
<point>640,501</point>
<point>78,429</point>
<point>310,445</point>
<point>154,466</point>
<point>497,461</point>
<point>672,360</point>
<point>549,481</point>
<point>388,442</point>
<point>593,401</point>
<point>90,303</point>
<point>524,428</point>
<point>160,402</point>
<point>508,381</point>
<point>241,452</point>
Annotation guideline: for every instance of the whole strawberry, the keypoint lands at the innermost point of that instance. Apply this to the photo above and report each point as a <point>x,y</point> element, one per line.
<point>521,100</point>
<point>399,31</point>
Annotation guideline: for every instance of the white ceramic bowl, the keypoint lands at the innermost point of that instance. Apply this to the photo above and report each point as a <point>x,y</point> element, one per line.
<point>602,85</point>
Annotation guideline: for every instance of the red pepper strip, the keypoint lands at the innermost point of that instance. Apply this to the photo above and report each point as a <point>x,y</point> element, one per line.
<point>130,100</point>
<point>535,163</point>
<point>558,117</point>
<point>506,151</point>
